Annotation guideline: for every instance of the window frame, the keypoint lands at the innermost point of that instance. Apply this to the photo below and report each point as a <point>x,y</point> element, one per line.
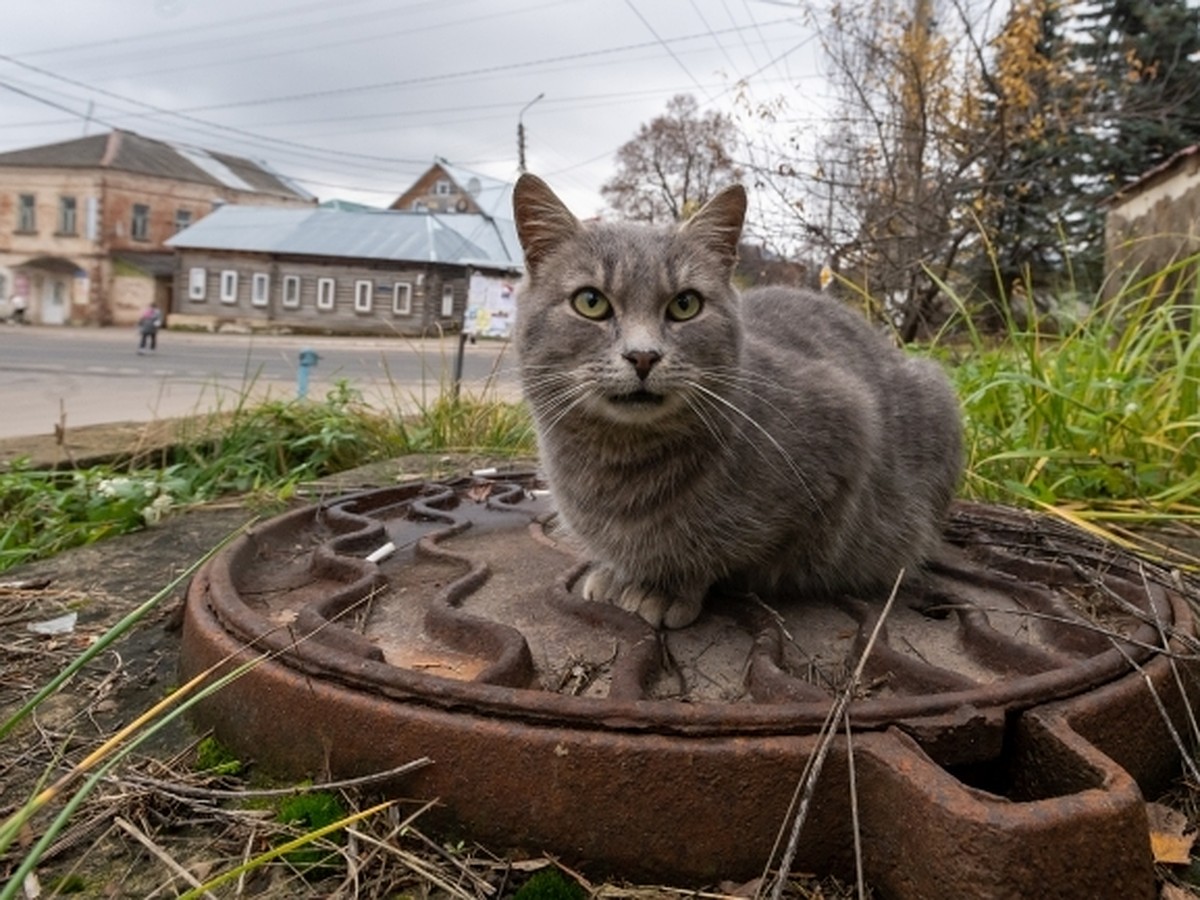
<point>68,215</point>
<point>197,283</point>
<point>447,301</point>
<point>183,219</point>
<point>289,292</point>
<point>364,295</point>
<point>139,223</point>
<point>229,285</point>
<point>260,289</point>
<point>26,213</point>
<point>405,308</point>
<point>326,294</point>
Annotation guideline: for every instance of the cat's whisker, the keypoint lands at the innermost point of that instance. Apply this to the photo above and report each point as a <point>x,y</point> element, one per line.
<point>548,388</point>
<point>737,378</point>
<point>550,425</point>
<point>553,408</point>
<point>741,383</point>
<point>700,402</point>
<point>697,406</point>
<point>791,463</point>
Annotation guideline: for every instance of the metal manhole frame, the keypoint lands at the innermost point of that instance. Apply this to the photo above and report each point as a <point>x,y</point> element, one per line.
<point>498,733</point>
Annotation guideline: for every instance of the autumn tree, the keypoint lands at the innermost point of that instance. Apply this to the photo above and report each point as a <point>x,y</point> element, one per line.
<point>974,141</point>
<point>884,199</point>
<point>1034,139</point>
<point>674,165</point>
<point>1082,99</point>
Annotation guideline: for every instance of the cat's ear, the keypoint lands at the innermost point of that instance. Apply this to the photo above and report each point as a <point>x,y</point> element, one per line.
<point>543,222</point>
<point>718,224</point>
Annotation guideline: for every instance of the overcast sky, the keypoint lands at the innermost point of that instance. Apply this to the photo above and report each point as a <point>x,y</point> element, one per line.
<point>355,98</point>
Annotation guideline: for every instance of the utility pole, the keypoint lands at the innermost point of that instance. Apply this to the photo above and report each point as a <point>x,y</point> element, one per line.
<point>521,132</point>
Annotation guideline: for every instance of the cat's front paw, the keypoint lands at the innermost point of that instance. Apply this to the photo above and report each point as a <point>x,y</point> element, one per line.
<point>656,607</point>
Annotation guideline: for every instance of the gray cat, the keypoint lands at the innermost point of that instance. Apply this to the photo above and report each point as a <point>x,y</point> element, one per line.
<point>693,437</point>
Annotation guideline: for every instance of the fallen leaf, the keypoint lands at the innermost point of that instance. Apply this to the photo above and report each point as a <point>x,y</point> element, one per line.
<point>480,491</point>
<point>749,889</point>
<point>1170,839</point>
<point>1174,892</point>
<point>63,624</point>
<point>530,865</point>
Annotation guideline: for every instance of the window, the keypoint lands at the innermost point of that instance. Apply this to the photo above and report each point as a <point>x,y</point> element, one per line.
<point>229,286</point>
<point>27,213</point>
<point>67,219</point>
<point>402,299</point>
<point>183,218</point>
<point>197,282</point>
<point>447,301</point>
<point>139,229</point>
<point>443,188</point>
<point>363,294</point>
<point>291,291</point>
<point>260,289</point>
<point>325,291</point>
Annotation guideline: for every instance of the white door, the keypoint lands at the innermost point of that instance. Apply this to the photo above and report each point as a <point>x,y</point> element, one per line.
<point>54,302</point>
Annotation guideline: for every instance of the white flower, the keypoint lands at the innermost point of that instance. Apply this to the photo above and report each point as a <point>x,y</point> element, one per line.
<point>113,487</point>
<point>158,508</point>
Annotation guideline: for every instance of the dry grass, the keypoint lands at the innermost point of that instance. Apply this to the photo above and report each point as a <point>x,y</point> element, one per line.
<point>165,821</point>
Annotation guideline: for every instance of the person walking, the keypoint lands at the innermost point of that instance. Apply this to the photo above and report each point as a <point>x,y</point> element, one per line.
<point>148,325</point>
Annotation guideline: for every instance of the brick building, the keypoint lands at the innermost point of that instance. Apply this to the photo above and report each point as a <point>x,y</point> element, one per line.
<point>83,222</point>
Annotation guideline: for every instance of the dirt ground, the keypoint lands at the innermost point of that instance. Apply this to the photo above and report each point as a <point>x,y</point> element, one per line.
<point>100,583</point>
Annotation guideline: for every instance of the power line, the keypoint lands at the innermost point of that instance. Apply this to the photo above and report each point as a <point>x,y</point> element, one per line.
<point>496,69</point>
<point>662,43</point>
<point>188,118</point>
<point>191,29</point>
<point>116,107</point>
<point>323,43</point>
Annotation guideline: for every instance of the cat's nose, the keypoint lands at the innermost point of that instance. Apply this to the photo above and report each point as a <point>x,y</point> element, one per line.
<point>643,361</point>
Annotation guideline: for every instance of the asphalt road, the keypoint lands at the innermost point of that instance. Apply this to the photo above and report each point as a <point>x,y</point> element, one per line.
<point>93,376</point>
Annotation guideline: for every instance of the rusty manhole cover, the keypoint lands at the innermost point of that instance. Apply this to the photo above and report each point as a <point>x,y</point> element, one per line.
<point>1007,723</point>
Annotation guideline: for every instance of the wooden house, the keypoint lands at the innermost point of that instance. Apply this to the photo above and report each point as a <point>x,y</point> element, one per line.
<point>333,270</point>
<point>446,188</point>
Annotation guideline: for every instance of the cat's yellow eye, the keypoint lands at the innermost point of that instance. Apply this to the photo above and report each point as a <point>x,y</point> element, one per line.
<point>591,304</point>
<point>684,306</point>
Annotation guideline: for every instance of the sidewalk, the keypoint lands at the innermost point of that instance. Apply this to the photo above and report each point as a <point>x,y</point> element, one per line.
<point>90,445</point>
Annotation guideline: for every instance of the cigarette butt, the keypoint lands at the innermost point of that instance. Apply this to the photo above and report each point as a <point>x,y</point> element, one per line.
<point>382,553</point>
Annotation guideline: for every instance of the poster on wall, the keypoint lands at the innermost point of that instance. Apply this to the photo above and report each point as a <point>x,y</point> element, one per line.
<point>491,307</point>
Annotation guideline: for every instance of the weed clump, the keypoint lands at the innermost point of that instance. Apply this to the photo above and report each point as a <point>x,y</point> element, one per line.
<point>1103,416</point>
<point>550,884</point>
<point>264,452</point>
<point>214,758</point>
